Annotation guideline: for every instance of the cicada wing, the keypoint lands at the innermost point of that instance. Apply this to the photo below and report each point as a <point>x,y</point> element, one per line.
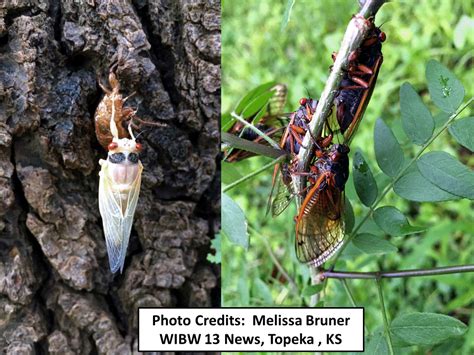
<point>280,194</point>
<point>320,225</point>
<point>282,198</point>
<point>117,210</point>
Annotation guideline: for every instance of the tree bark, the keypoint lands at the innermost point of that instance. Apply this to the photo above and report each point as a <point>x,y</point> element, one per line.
<point>57,294</point>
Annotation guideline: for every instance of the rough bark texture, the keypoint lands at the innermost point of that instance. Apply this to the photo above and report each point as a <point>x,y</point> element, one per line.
<point>57,294</point>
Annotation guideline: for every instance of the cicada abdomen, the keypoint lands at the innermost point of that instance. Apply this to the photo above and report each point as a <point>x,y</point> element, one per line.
<point>119,187</point>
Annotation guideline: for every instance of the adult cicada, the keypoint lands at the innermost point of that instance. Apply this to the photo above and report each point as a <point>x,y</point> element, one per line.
<point>359,81</point>
<point>320,221</point>
<point>119,187</point>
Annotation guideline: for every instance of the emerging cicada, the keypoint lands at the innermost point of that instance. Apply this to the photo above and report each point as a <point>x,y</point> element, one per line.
<point>119,187</point>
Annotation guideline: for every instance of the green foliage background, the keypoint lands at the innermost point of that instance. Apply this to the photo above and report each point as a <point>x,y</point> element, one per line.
<point>255,50</point>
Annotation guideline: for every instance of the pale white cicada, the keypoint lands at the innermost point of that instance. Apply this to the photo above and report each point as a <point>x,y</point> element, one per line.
<point>119,187</point>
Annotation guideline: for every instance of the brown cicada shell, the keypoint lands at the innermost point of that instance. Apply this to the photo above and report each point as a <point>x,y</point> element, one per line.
<point>111,107</point>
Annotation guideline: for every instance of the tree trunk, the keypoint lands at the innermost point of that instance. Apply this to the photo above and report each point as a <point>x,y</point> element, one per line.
<point>57,294</point>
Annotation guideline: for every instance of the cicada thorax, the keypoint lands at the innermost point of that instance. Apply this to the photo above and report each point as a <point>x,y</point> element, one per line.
<point>111,107</point>
<point>359,81</point>
<point>320,221</point>
<point>124,167</point>
<point>298,125</point>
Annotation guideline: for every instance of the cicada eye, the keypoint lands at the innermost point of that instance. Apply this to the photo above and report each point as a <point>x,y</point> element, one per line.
<point>133,158</point>
<point>138,146</point>
<point>303,101</point>
<point>382,36</point>
<point>112,146</point>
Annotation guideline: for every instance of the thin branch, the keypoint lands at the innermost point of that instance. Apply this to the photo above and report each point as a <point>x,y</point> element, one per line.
<point>257,148</point>
<point>315,280</point>
<point>397,274</point>
<point>348,292</point>
<point>355,33</point>
<point>253,173</point>
<point>256,130</point>
<point>385,319</point>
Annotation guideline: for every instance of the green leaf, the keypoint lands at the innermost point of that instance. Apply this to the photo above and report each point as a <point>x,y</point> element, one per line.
<point>464,27</point>
<point>446,172</point>
<point>226,122</point>
<point>312,290</point>
<point>260,113</point>
<point>426,328</point>
<point>215,258</point>
<point>416,118</point>
<point>229,173</point>
<point>256,104</point>
<point>463,132</point>
<point>262,291</point>
<point>377,345</point>
<point>371,244</point>
<point>243,289</point>
<point>415,187</point>
<point>351,251</point>
<point>364,181</point>
<point>320,304</point>
<point>393,222</point>
<point>446,91</point>
<point>287,14</point>
<point>244,101</point>
<point>388,152</point>
<point>234,225</point>
<point>441,118</point>
<point>349,218</point>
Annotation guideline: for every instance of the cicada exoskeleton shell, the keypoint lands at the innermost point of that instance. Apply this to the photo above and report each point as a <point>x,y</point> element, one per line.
<point>111,107</point>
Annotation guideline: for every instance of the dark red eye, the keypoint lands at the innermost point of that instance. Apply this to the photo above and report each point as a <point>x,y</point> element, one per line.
<point>382,36</point>
<point>138,146</point>
<point>113,146</point>
<point>303,101</point>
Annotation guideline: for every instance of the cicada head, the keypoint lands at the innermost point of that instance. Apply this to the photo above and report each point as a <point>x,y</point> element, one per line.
<point>122,150</point>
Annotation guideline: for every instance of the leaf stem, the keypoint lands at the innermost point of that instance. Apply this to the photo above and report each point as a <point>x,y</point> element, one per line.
<point>384,313</point>
<point>348,292</point>
<point>280,268</point>
<point>256,130</point>
<point>253,173</point>
<point>250,146</point>
<point>351,298</point>
<point>397,274</point>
